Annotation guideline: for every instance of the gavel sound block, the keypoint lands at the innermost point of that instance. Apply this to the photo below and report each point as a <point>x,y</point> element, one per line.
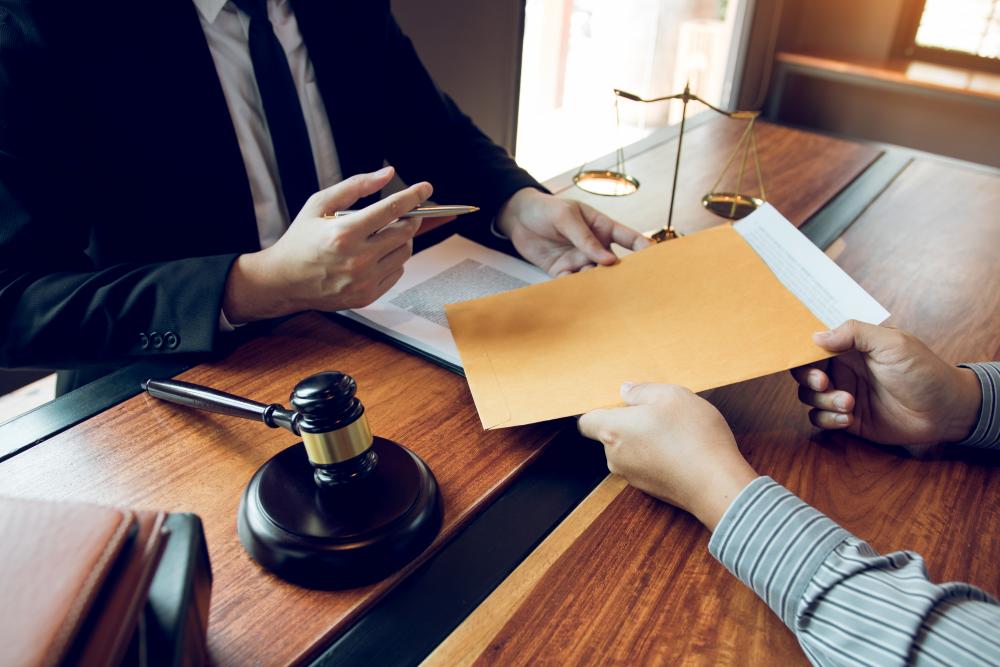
<point>340,509</point>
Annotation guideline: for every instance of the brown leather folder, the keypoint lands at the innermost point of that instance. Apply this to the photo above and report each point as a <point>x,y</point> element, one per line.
<point>115,615</point>
<point>74,580</point>
<point>54,558</point>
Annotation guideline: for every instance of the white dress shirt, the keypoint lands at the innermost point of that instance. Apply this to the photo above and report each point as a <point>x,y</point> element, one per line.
<point>226,29</point>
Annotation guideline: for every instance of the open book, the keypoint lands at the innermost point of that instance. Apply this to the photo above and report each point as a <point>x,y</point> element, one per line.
<point>457,269</point>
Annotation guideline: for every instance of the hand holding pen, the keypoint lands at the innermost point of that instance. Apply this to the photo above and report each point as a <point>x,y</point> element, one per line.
<point>318,264</point>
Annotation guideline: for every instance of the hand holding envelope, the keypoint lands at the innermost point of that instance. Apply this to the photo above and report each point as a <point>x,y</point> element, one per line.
<point>721,306</point>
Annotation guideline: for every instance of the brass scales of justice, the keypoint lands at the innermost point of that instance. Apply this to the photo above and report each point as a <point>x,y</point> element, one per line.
<point>617,182</point>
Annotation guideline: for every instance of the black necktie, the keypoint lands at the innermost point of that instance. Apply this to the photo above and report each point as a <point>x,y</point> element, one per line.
<point>285,121</point>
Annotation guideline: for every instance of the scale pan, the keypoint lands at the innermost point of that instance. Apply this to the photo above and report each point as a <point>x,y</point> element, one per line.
<point>731,205</point>
<point>606,183</point>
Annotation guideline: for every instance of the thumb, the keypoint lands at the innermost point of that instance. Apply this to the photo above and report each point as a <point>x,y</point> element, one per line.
<point>339,197</point>
<point>648,393</point>
<point>853,335</point>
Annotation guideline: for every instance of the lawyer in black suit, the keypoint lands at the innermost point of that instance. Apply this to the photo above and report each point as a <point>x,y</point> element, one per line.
<point>125,209</point>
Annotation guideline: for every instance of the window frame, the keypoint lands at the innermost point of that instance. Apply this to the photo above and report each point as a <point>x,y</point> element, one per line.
<point>905,44</point>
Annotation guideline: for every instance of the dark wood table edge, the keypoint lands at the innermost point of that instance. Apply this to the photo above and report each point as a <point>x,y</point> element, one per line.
<point>831,221</point>
<point>32,428</point>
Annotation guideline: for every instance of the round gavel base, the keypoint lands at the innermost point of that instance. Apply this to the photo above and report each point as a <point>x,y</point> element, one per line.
<point>345,535</point>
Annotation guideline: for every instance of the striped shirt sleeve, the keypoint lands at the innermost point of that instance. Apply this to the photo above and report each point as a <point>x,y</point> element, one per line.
<point>987,432</point>
<point>846,604</point>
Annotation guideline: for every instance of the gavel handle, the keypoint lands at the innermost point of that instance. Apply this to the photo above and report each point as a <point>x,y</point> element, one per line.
<point>212,400</point>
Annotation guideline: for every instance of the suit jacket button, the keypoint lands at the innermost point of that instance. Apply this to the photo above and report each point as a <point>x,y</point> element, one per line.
<point>143,341</point>
<point>156,339</point>
<point>171,339</point>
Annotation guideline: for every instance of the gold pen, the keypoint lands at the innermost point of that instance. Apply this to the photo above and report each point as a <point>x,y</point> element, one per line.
<point>420,212</point>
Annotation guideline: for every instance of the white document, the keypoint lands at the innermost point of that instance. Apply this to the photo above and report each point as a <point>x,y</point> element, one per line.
<point>806,271</point>
<point>454,270</point>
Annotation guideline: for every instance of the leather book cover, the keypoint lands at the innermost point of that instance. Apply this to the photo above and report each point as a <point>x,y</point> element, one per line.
<point>54,559</point>
<point>115,615</point>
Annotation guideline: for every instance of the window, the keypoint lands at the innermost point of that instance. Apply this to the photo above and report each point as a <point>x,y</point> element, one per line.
<point>577,51</point>
<point>955,32</point>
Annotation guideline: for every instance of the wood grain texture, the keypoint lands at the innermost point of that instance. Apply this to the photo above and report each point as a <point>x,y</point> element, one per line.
<point>148,454</point>
<point>802,171</point>
<point>639,587</point>
<point>471,638</point>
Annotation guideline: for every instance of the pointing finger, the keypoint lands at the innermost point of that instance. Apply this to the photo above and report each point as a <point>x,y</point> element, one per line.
<point>340,196</point>
<point>373,218</point>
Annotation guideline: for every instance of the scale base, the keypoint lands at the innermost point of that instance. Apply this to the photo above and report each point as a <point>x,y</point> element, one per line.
<point>661,235</point>
<point>343,535</point>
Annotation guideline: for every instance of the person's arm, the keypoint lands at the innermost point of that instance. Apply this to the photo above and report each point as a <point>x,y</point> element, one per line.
<point>846,604</point>
<point>986,433</point>
<point>430,138</point>
<point>58,309</point>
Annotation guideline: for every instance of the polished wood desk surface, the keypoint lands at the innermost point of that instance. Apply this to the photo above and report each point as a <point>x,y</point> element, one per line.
<point>147,454</point>
<point>150,454</point>
<point>629,580</point>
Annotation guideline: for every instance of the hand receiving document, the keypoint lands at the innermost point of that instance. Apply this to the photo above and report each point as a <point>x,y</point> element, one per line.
<point>720,306</point>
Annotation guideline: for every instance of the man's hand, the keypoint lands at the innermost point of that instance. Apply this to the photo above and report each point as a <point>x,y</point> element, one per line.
<point>328,264</point>
<point>888,387</point>
<point>561,235</point>
<point>673,445</point>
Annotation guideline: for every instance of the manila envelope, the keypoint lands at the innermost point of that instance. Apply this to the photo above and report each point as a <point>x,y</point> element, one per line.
<point>700,311</point>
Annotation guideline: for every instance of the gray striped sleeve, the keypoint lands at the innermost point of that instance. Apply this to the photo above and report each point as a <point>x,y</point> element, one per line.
<point>846,604</point>
<point>987,432</point>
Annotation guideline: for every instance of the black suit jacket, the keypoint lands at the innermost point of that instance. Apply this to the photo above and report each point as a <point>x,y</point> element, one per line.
<point>123,195</point>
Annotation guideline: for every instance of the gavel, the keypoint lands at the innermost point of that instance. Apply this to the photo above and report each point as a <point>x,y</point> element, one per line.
<point>340,509</point>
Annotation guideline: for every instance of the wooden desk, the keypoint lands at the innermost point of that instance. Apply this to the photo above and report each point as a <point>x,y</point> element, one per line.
<point>629,580</point>
<point>147,454</point>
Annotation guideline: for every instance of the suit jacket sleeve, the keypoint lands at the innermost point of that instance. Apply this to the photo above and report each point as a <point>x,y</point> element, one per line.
<point>56,308</point>
<point>429,138</point>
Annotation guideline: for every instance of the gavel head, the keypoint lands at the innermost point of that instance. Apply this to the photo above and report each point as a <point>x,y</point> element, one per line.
<point>334,427</point>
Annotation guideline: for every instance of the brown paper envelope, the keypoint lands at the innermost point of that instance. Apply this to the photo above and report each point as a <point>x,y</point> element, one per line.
<point>701,311</point>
